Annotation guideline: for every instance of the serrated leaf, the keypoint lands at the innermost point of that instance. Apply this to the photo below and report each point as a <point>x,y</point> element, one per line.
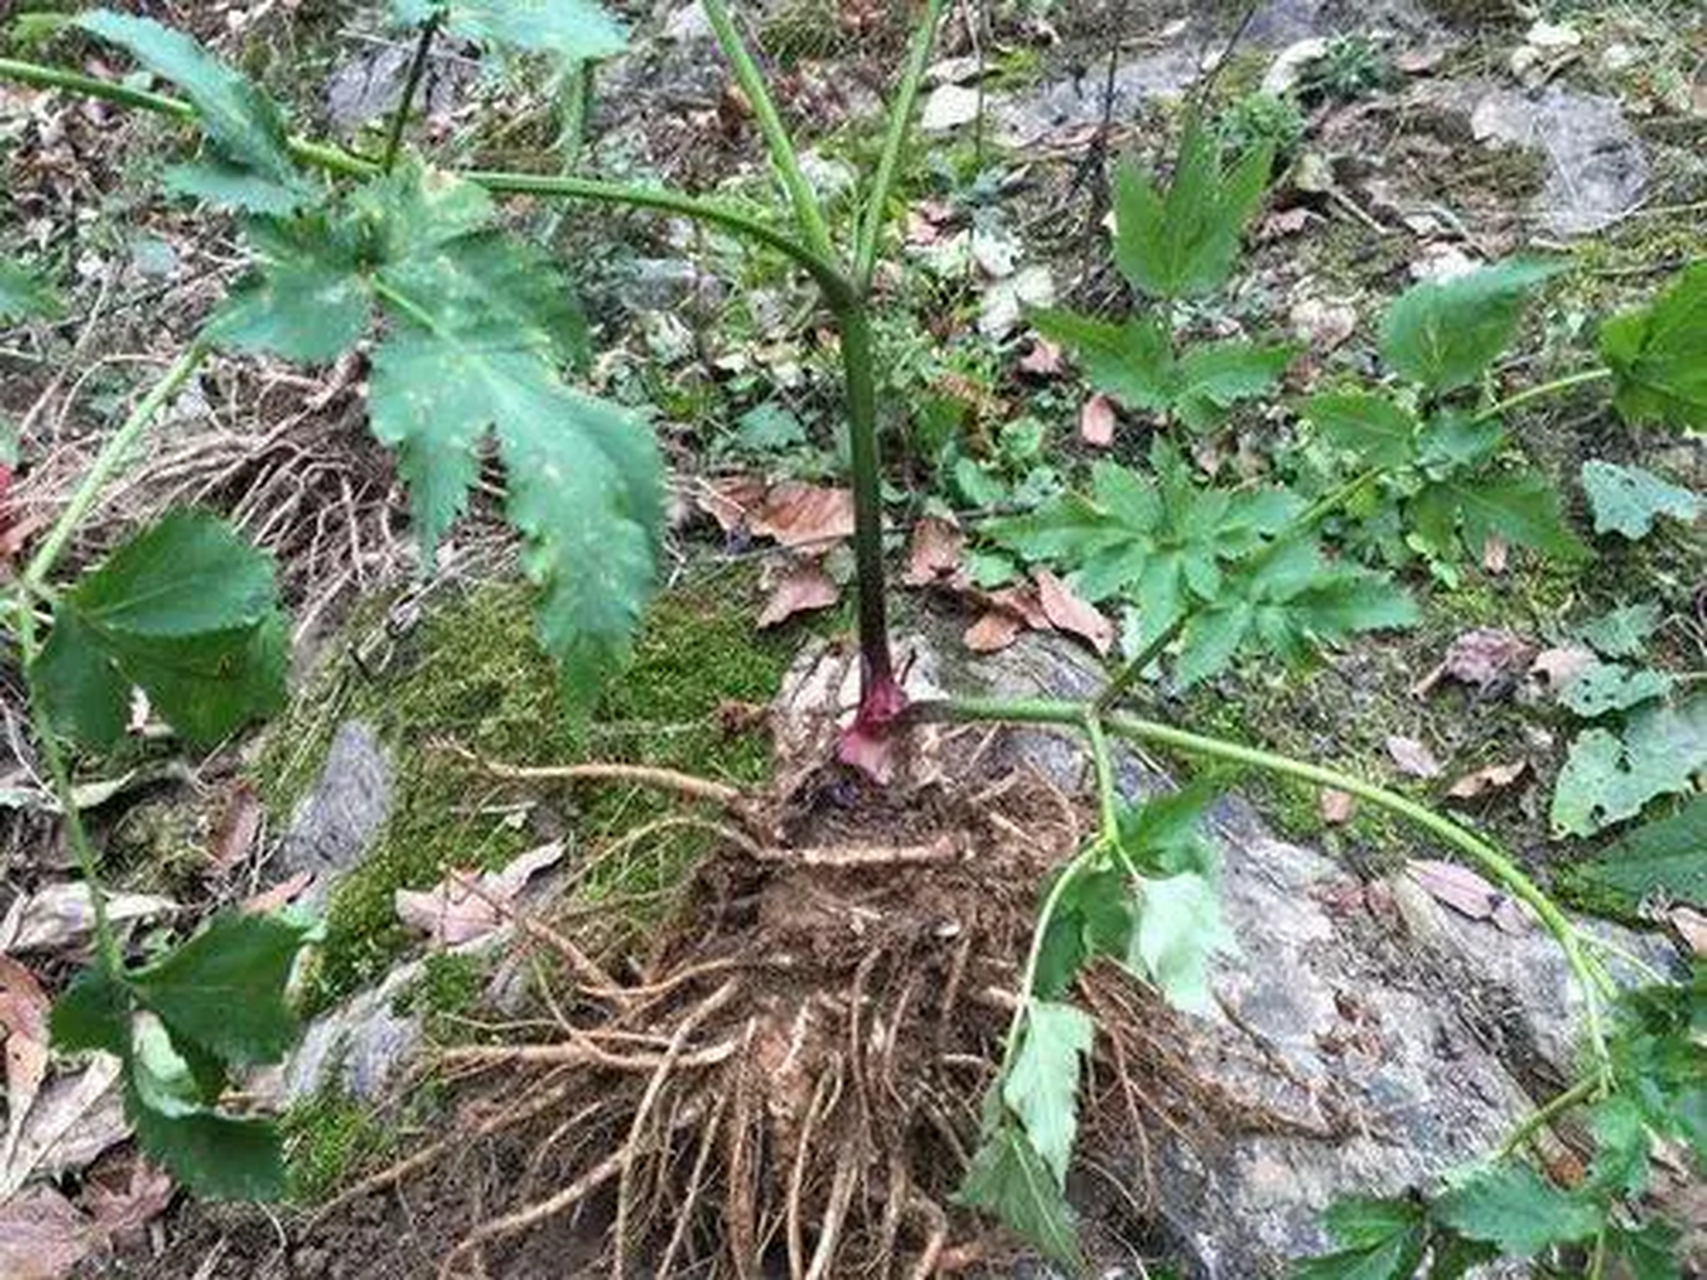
<point>1608,778</point>
<point>1010,1180</point>
<point>92,1013</point>
<point>1624,632</point>
<point>1133,361</point>
<point>1212,377</point>
<point>225,988</point>
<point>1041,1088</point>
<point>1627,500</point>
<point>1648,1254</point>
<point>1394,1258</point>
<point>1167,835</point>
<point>1453,440</point>
<point>1183,243</point>
<point>1179,931</point>
<point>1443,334</point>
<point>1621,1147</point>
<point>1362,1221</point>
<point>307,300</point>
<point>234,187</point>
<point>186,610</point>
<point>23,295</point>
<point>1666,858</point>
<point>1513,1207</point>
<point>1655,355</point>
<point>575,30</point>
<point>1093,917</point>
<point>243,124</point>
<point>1381,433</point>
<point>1609,686</point>
<point>1521,508</point>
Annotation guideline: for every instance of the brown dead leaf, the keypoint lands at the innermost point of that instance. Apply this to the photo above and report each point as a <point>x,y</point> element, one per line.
<point>145,1194</point>
<point>996,630</point>
<point>282,894</point>
<point>801,588</point>
<point>1412,756</point>
<point>23,1018</point>
<point>1691,926</point>
<point>1555,668</point>
<point>235,831</point>
<point>42,1236</point>
<point>1467,893</point>
<point>60,915</point>
<point>1486,657</point>
<point>1495,553</point>
<point>1493,777</point>
<point>797,515</point>
<point>75,1118</point>
<point>1043,360</point>
<point>451,912</point>
<point>1067,612</point>
<point>731,500</point>
<point>1337,807</point>
<point>1023,602</point>
<point>1285,222</point>
<point>1096,422</point>
<point>935,552</point>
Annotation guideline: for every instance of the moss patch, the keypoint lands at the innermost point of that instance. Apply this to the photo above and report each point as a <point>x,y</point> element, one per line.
<point>327,1138</point>
<point>471,673</point>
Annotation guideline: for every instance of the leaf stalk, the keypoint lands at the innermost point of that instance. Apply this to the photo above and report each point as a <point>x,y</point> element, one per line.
<point>417,70</point>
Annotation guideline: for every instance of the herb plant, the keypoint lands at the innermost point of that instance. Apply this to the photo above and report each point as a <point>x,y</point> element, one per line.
<point>474,336</point>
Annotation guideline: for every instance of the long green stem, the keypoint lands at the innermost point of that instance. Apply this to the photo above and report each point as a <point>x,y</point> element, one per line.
<point>875,213</point>
<point>781,147</point>
<point>1541,391</point>
<point>1590,975</point>
<point>417,70</point>
<point>1545,1114</point>
<point>113,455</point>
<point>859,368</point>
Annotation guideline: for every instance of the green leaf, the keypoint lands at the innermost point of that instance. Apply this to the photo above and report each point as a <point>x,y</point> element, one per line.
<point>1624,632</point>
<point>1009,1179</point>
<point>1166,835</point>
<point>22,295</point>
<point>1513,1207</point>
<point>92,1013</point>
<point>1133,362</point>
<point>307,300</point>
<point>1183,243</point>
<point>1648,1254</point>
<point>574,30</point>
<point>186,610</point>
<point>1621,1147</point>
<point>1179,931</point>
<point>1092,917</point>
<point>1667,858</point>
<point>1443,334</point>
<point>243,124</point>
<point>1213,377</point>
<point>1456,441</point>
<point>225,987</point>
<point>1655,354</point>
<point>1627,500</point>
<point>1608,686</point>
<point>1520,507</point>
<point>1381,433</point>
<point>1042,1085</point>
<point>1607,778</point>
<point>234,187</point>
<point>1385,1240</point>
<point>585,481</point>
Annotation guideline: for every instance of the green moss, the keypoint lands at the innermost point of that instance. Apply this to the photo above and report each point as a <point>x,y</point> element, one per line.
<point>472,674</point>
<point>327,1138</point>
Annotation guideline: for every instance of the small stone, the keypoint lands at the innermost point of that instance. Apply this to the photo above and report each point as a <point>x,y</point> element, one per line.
<point>1617,57</point>
<point>1286,70</point>
<point>949,107</point>
<point>1005,302</point>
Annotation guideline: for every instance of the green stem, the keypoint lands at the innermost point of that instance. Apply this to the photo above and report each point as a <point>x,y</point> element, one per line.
<point>859,368</point>
<point>900,118</point>
<point>113,455</point>
<point>1102,759</point>
<point>1544,1115</point>
<point>1597,374</point>
<point>1590,975</point>
<point>1034,956</point>
<point>752,82</point>
<point>417,69</point>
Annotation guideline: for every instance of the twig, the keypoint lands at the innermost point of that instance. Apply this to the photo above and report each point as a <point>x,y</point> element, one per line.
<point>605,771</point>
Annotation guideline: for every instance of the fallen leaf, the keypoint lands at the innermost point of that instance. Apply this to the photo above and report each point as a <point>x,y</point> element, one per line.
<point>1421,59</point>
<point>1412,757</point>
<point>1493,777</point>
<point>797,514</point>
<point>935,552</point>
<point>23,1017</point>
<point>147,1193</point>
<point>235,831</point>
<point>801,588</point>
<point>452,912</point>
<point>1284,222</point>
<point>43,1236</point>
<point>1467,893</point>
<point>1555,668</point>
<point>1485,657</point>
<point>75,1118</point>
<point>1337,806</point>
<point>61,915</point>
<point>1043,360</point>
<point>282,894</point>
<point>1323,323</point>
<point>1495,553</point>
<point>731,500</point>
<point>994,631</point>
<point>1691,925</point>
<point>1096,422</point>
<point>1021,601</point>
<point>1067,612</point>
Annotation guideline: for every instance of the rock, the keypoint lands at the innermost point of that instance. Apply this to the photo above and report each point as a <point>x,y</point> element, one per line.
<point>667,284</point>
<point>1027,117</point>
<point>358,1047</point>
<point>1005,301</point>
<point>949,107</point>
<point>335,826</point>
<point>688,23</point>
<point>1284,72</point>
<point>366,88</point>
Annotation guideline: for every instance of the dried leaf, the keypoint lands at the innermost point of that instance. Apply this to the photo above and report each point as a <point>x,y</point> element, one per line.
<point>1096,422</point>
<point>935,552</point>
<point>1485,657</point>
<point>798,515</point>
<point>1467,893</point>
<point>1337,806</point>
<point>1043,360</point>
<point>452,913</point>
<point>1691,925</point>
<point>1067,612</point>
<point>802,588</point>
<point>23,1018</point>
<point>61,915</point>
<point>996,630</point>
<point>75,1118</point>
<point>1024,603</point>
<point>731,501</point>
<point>1555,668</point>
<point>42,1236</point>
<point>1412,757</point>
<point>282,894</point>
<point>1324,324</point>
<point>145,1197</point>
<point>235,831</point>
<point>1494,777</point>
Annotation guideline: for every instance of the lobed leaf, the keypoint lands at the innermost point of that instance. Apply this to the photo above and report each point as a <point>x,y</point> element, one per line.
<point>1133,361</point>
<point>1608,686</point>
<point>1520,507</point>
<point>1443,334</point>
<point>1213,377</point>
<point>1513,1207</point>
<point>575,30</point>
<point>1622,632</point>
<point>307,300</point>
<point>1041,1088</point>
<point>1627,500</point>
<point>1608,778</point>
<point>1655,355</point>
<point>1667,858</point>
<point>1380,432</point>
<point>1093,917</point>
<point>233,187</point>
<point>1179,931</point>
<point>1010,1180</point>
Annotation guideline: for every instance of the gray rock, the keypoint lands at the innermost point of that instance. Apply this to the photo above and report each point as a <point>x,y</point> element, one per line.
<point>667,284</point>
<point>336,824</point>
<point>358,1047</point>
<point>1028,116</point>
<point>367,87</point>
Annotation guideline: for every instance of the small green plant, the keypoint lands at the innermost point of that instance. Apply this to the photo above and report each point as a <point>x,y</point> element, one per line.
<point>474,335</point>
<point>1261,119</point>
<point>1350,67</point>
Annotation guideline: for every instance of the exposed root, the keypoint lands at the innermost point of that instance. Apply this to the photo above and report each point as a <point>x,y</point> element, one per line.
<point>683,784</point>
